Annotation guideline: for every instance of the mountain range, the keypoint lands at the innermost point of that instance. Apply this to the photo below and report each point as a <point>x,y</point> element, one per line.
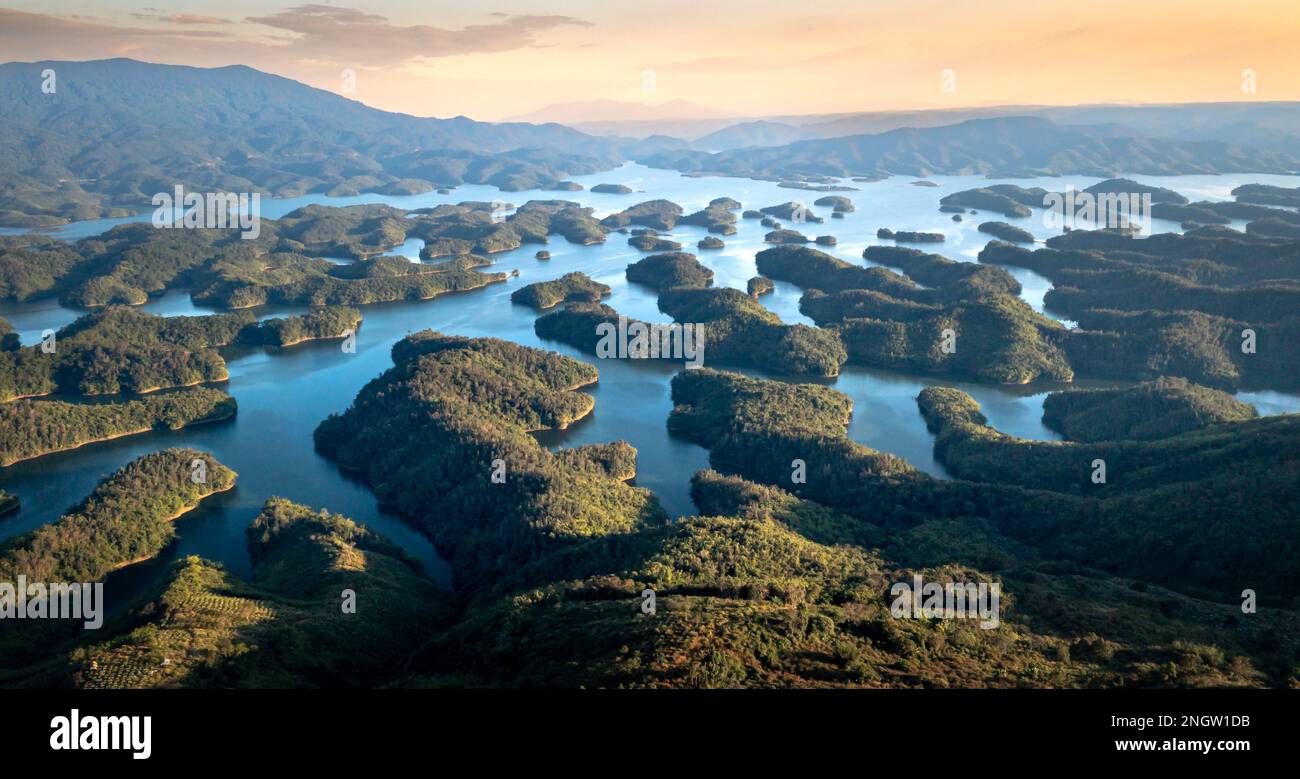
<point>111,133</point>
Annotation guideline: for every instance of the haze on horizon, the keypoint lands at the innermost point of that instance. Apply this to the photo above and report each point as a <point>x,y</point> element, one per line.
<point>731,58</point>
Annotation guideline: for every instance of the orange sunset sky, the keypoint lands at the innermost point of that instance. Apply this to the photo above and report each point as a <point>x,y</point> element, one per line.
<point>495,60</point>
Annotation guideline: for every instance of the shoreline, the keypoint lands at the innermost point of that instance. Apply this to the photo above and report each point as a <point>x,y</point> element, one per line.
<point>74,447</point>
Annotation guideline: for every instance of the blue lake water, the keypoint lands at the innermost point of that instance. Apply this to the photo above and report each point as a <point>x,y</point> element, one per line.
<point>284,394</point>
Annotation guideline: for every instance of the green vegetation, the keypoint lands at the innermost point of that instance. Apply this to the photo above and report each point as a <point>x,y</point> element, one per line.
<point>967,323</point>
<point>569,288</point>
<point>453,407</point>
<point>9,340</point>
<point>1127,186</point>
<point>1172,304</point>
<point>1007,199</point>
<point>1001,146</point>
<point>1170,508</point>
<point>674,269</point>
<point>106,149</point>
<point>317,324</point>
<point>655,214</point>
<point>612,189</point>
<point>786,237</point>
<point>1005,232</point>
<point>957,280</point>
<point>1158,409</point>
<point>128,517</point>
<point>649,242</point>
<point>741,331</point>
<point>33,428</point>
<point>286,626</point>
<point>759,285</point>
<point>1268,195</point>
<point>717,217</point>
<point>288,279</point>
<point>120,349</point>
<point>838,203</point>
<point>910,236</point>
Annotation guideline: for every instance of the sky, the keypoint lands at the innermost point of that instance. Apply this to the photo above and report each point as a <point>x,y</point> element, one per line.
<point>494,60</point>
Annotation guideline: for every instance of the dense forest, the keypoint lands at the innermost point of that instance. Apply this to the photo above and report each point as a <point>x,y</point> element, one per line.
<point>31,428</point>
<point>574,287</point>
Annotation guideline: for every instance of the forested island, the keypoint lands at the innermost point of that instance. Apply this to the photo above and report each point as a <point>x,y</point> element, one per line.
<point>569,288</point>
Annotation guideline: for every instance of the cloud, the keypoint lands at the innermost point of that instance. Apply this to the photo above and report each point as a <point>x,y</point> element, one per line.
<point>181,18</point>
<point>350,36</point>
<point>315,36</point>
<point>41,36</point>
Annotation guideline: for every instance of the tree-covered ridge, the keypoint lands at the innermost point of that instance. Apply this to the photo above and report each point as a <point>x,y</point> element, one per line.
<point>120,349</point>
<point>767,589</point>
<point>1158,409</point>
<point>955,280</point>
<point>1169,507</point>
<point>103,147</point>
<point>317,324</point>
<point>443,437</point>
<point>575,287</point>
<point>1177,495</point>
<point>1182,305</point>
<point>672,269</point>
<point>32,428</point>
<point>286,627</point>
<point>1003,146</point>
<point>741,331</point>
<point>655,214</point>
<point>967,323</point>
<point>285,264</point>
<point>127,517</point>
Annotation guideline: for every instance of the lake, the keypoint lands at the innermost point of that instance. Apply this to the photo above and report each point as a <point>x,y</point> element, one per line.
<point>284,394</point>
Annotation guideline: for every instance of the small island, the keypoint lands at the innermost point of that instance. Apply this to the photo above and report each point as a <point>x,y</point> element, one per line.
<point>1006,232</point>
<point>759,285</point>
<point>908,236</point>
<point>673,269</point>
<point>570,288</point>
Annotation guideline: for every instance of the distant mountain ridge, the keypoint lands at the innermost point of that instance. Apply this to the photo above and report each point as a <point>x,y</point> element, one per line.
<point>114,132</point>
<point>1004,146</point>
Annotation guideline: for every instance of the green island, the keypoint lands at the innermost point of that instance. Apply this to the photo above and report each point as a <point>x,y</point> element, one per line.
<point>649,242</point>
<point>32,428</point>
<point>128,517</point>
<point>1151,410</point>
<point>910,236</point>
<point>1006,232</point>
<point>670,269</point>
<point>120,349</point>
<point>655,214</point>
<point>569,288</point>
<point>759,285</point>
<point>968,323</point>
<point>1006,199</point>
